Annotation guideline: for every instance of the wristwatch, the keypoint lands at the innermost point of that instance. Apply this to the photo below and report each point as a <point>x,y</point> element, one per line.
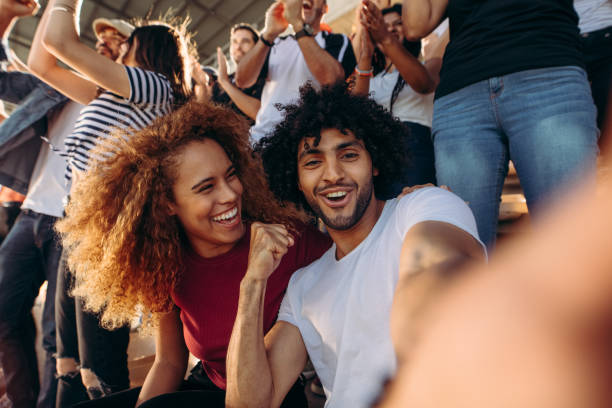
<point>306,31</point>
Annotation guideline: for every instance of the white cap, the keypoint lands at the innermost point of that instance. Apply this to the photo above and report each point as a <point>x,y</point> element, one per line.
<point>122,26</point>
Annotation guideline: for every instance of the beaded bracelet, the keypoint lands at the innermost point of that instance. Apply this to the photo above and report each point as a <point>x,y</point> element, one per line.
<point>367,73</point>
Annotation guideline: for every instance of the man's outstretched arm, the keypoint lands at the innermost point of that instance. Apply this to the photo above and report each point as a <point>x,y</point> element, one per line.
<point>261,371</point>
<point>432,254</point>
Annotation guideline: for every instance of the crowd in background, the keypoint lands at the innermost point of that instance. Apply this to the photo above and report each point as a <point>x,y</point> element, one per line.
<point>114,192</point>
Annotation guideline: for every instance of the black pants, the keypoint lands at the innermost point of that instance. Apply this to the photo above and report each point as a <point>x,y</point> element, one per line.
<point>597,49</point>
<point>196,391</point>
<point>8,214</point>
<point>79,336</point>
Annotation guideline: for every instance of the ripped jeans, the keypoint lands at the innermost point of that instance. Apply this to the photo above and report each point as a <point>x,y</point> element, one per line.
<point>97,357</point>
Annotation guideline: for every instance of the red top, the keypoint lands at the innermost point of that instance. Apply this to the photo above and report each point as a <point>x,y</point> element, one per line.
<point>209,289</point>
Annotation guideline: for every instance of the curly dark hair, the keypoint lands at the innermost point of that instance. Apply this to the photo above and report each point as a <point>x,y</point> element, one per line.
<point>332,107</point>
<point>125,249</point>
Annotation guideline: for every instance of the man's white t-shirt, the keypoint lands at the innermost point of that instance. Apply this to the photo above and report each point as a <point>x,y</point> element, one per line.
<point>342,308</point>
<point>287,72</point>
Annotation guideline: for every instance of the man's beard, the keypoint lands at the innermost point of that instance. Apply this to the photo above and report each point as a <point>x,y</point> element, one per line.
<point>342,222</point>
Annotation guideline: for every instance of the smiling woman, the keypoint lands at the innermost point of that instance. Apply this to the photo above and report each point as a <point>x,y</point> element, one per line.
<point>167,225</point>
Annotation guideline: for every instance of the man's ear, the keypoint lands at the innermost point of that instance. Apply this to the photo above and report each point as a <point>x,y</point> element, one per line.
<point>375,172</point>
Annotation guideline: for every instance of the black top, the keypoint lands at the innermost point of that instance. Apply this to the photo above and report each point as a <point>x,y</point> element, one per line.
<point>220,96</point>
<point>491,38</point>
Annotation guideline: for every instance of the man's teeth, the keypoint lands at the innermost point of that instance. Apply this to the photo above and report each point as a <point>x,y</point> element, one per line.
<point>337,194</point>
<point>226,215</point>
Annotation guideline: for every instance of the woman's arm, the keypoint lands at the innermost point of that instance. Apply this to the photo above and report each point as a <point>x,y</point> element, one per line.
<point>60,38</point>
<point>364,63</point>
<point>171,357</point>
<point>44,65</point>
<point>421,17</point>
<point>246,103</point>
<point>409,67</point>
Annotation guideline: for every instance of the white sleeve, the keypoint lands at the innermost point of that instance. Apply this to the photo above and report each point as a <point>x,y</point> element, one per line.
<point>285,313</point>
<point>434,204</point>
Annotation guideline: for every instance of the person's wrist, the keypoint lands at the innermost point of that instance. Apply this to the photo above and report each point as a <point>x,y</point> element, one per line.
<point>387,41</point>
<point>268,36</point>
<point>297,24</point>
<point>252,278</point>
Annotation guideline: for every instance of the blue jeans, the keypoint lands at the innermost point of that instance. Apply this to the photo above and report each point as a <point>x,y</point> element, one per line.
<point>543,120</point>
<point>28,256</point>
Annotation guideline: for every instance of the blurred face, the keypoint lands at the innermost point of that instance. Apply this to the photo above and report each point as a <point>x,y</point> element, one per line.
<point>241,42</point>
<point>109,43</point>
<point>313,10</point>
<point>394,25</point>
<point>127,53</point>
<point>208,198</point>
<point>336,178</point>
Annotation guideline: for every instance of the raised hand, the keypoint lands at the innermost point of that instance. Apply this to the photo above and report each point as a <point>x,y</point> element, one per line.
<point>275,21</point>
<point>366,46</point>
<point>19,8</point>
<point>223,76</point>
<point>203,84</point>
<point>371,18</point>
<point>269,243</point>
<point>293,11</point>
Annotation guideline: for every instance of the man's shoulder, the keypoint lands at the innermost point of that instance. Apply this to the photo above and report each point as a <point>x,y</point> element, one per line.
<point>434,204</point>
<point>430,195</point>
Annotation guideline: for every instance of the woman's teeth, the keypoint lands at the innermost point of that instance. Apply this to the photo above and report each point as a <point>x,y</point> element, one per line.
<point>226,215</point>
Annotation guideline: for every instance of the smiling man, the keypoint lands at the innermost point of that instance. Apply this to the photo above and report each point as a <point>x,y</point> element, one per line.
<point>309,55</point>
<point>388,259</point>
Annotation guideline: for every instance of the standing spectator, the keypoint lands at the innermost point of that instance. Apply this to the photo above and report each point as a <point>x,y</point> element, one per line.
<point>400,83</point>
<point>512,87</point>
<point>243,38</point>
<point>149,76</point>
<point>309,55</point>
<point>595,23</point>
<point>29,254</point>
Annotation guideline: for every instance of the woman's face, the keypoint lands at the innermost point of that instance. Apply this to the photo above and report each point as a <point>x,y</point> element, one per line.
<point>394,25</point>
<point>208,198</point>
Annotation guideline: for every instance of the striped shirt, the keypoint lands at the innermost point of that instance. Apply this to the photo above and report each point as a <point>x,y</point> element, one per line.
<point>150,97</point>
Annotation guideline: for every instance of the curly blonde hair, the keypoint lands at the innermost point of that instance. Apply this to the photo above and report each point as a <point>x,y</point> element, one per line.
<point>125,250</point>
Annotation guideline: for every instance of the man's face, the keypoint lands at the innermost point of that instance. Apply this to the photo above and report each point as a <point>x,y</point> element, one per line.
<point>313,10</point>
<point>336,178</point>
<point>241,42</point>
<point>109,43</point>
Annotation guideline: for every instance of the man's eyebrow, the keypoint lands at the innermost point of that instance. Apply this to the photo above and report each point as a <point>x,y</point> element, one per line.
<point>308,151</point>
<point>314,150</point>
<point>348,144</point>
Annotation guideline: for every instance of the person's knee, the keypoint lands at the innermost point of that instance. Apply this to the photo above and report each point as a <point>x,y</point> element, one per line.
<point>66,366</point>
